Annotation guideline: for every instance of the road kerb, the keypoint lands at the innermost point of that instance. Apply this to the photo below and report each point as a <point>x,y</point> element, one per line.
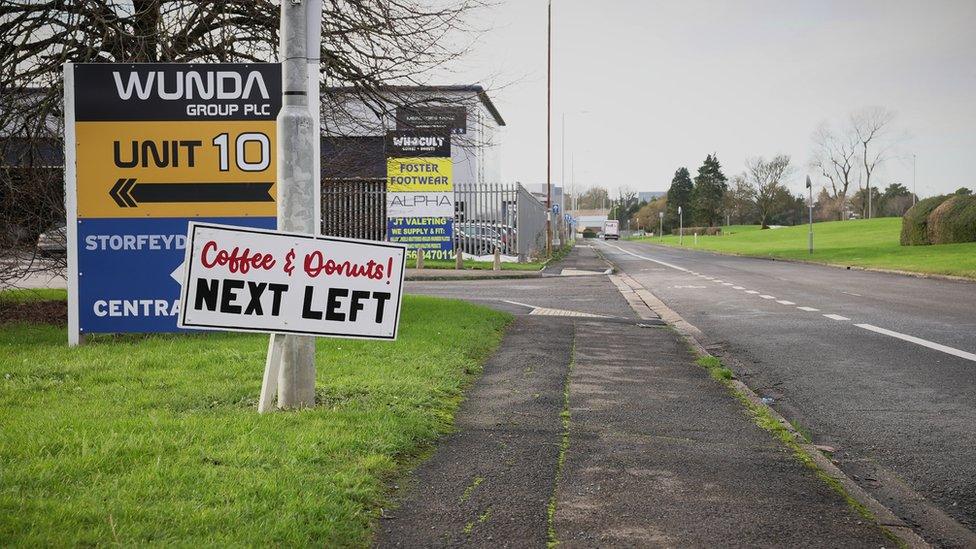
<point>885,518</point>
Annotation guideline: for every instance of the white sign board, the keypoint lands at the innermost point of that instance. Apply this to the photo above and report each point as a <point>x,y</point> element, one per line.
<point>420,205</point>
<point>256,280</point>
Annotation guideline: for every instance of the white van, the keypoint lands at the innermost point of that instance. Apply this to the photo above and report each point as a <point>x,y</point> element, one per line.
<point>611,229</point>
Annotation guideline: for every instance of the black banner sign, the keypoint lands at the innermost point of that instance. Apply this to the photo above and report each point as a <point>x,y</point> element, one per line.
<point>452,119</point>
<point>170,91</point>
<point>424,144</point>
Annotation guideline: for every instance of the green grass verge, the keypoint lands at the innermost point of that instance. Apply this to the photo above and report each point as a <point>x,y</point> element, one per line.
<point>477,265</point>
<point>133,440</point>
<point>558,254</point>
<point>24,296</point>
<point>863,243</point>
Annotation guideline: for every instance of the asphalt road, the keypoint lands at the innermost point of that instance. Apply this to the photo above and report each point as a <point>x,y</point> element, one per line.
<point>594,406</point>
<point>888,379</point>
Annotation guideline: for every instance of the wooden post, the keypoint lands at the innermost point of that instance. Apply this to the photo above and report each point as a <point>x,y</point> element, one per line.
<point>420,259</point>
<point>497,264</point>
<point>458,259</point>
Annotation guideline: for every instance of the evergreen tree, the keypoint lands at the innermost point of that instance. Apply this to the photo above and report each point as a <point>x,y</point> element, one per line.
<point>709,190</point>
<point>679,195</point>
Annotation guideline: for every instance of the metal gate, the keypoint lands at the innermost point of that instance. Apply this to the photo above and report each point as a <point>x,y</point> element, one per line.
<point>354,208</point>
<point>487,216</point>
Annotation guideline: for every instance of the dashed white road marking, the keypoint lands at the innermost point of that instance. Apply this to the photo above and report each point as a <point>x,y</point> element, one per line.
<point>784,302</point>
<point>904,337</point>
<point>738,288</point>
<point>766,296</point>
<point>919,341</point>
<point>851,293</point>
<point>726,284</point>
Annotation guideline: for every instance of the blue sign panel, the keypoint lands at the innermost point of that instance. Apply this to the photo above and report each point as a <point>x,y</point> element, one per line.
<point>432,234</point>
<point>125,267</point>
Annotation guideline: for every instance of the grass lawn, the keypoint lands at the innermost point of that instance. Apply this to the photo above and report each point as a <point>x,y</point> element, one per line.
<point>133,440</point>
<point>863,243</point>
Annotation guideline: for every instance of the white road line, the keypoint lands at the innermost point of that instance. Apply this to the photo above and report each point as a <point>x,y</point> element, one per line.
<point>765,296</point>
<point>784,302</point>
<point>719,281</point>
<point>726,284</point>
<point>808,309</point>
<point>519,304</point>
<point>751,292</point>
<point>919,341</point>
<point>659,262</point>
<point>851,293</point>
<point>836,317</point>
<point>738,288</point>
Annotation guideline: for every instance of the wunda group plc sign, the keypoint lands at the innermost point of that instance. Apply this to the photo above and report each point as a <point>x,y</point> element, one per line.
<point>148,147</point>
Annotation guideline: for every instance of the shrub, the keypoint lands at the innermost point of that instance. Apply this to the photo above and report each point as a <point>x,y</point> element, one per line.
<point>710,231</point>
<point>915,221</point>
<point>953,221</point>
<point>589,233</point>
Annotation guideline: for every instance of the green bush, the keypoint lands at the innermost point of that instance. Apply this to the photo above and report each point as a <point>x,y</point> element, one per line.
<point>915,221</point>
<point>589,233</point>
<point>953,221</point>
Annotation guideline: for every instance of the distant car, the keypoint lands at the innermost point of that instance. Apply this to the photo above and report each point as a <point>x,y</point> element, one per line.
<point>478,239</point>
<point>53,242</point>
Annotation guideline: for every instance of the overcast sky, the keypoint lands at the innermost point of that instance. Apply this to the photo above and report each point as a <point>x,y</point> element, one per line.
<point>650,86</point>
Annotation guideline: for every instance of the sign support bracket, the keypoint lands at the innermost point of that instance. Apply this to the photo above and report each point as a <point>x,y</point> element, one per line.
<point>272,367</point>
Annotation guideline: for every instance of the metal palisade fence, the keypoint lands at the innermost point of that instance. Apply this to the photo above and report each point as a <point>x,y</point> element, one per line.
<point>487,216</point>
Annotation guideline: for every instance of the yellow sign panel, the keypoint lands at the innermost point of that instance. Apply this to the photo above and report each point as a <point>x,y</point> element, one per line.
<point>176,169</point>
<point>418,174</point>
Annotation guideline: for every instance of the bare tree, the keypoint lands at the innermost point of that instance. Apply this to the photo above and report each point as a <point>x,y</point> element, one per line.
<point>766,180</point>
<point>367,45</point>
<point>738,201</point>
<point>872,127</point>
<point>835,156</point>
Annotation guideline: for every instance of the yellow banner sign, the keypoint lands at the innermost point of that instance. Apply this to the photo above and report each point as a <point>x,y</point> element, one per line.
<point>418,174</point>
<point>176,169</point>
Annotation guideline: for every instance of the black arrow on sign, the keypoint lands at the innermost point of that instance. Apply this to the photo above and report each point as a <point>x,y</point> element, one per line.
<point>128,193</point>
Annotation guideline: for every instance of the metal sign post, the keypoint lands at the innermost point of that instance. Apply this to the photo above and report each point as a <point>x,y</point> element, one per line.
<point>660,218</point>
<point>297,194</point>
<point>681,227</point>
<point>810,188</point>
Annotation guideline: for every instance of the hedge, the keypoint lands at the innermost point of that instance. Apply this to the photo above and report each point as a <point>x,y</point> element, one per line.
<point>915,221</point>
<point>953,221</point>
<point>710,231</point>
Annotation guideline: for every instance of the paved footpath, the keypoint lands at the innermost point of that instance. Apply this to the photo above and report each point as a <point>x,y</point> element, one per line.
<point>598,431</point>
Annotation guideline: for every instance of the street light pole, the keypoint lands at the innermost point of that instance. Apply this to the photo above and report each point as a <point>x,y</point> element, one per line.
<point>660,231</point>
<point>296,191</point>
<point>914,187</point>
<point>549,132</point>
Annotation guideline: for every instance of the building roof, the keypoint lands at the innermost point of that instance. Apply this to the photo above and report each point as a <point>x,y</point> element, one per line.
<point>457,88</point>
